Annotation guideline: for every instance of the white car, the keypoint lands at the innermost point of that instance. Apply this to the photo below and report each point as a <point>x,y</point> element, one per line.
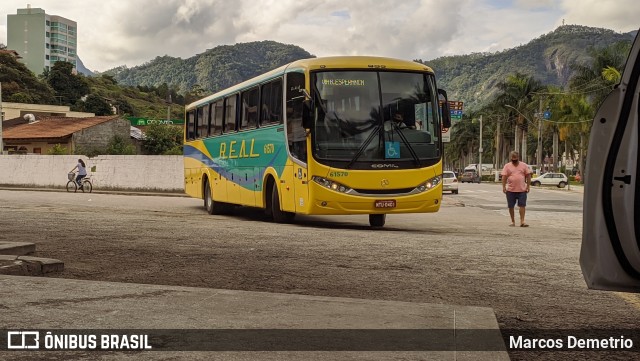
<point>450,182</point>
<point>559,180</point>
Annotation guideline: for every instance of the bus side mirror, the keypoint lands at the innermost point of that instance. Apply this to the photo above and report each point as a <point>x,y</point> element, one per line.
<point>307,106</point>
<point>446,112</point>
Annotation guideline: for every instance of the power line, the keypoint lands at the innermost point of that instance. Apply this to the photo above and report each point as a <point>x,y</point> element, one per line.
<point>560,122</point>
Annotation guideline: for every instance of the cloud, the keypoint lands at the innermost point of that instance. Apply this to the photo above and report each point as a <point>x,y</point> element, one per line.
<point>621,15</point>
<point>113,33</point>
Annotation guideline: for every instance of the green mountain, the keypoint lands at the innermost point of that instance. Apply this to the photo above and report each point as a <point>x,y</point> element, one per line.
<point>19,84</point>
<point>213,70</point>
<point>473,78</point>
<point>143,90</point>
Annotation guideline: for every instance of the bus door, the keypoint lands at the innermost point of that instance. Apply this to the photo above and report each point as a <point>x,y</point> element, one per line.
<point>301,181</point>
<point>297,139</point>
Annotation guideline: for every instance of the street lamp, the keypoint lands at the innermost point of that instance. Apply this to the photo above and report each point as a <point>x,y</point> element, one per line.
<point>497,159</point>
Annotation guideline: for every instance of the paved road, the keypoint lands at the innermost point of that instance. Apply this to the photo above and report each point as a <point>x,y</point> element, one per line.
<point>546,206</point>
<point>464,255</point>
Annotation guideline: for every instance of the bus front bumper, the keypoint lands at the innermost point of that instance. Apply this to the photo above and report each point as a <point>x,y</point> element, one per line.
<point>328,202</point>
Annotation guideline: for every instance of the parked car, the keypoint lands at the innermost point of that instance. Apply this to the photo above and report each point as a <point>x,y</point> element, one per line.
<point>470,176</point>
<point>450,182</point>
<point>559,180</point>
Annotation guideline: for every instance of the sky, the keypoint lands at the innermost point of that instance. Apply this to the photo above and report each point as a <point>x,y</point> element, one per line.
<point>123,32</point>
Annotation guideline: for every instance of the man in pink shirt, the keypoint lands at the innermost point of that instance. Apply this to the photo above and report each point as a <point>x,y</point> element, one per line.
<point>516,181</point>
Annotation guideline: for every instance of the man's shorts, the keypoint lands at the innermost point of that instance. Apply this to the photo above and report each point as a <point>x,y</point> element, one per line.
<point>520,197</point>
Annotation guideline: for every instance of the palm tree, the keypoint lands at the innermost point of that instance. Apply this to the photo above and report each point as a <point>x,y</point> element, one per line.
<point>577,119</point>
<point>464,139</point>
<point>518,94</point>
<point>598,78</point>
<point>590,85</point>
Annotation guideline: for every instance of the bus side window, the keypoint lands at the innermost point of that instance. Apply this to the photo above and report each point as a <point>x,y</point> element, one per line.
<point>190,124</point>
<point>207,120</point>
<point>218,113</point>
<point>271,103</point>
<point>249,108</point>
<point>230,114</point>
<point>201,129</point>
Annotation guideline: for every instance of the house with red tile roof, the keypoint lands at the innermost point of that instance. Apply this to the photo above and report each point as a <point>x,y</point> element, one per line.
<point>39,134</point>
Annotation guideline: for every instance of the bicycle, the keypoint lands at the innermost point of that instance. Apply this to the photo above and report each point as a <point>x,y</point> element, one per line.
<point>85,184</point>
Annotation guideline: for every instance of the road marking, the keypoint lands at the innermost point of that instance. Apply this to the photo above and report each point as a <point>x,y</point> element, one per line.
<point>630,298</point>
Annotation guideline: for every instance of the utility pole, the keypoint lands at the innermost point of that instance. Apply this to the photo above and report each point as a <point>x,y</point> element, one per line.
<point>524,156</point>
<point>516,140</point>
<point>497,157</point>
<point>555,148</point>
<point>1,120</point>
<point>169,110</point>
<point>539,156</point>
<point>480,151</point>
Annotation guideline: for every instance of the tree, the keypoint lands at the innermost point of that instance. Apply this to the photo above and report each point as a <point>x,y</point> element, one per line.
<point>95,104</point>
<point>576,119</point>
<point>598,78</point>
<point>69,87</point>
<point>57,150</point>
<point>18,80</point>
<point>196,93</point>
<point>518,93</point>
<point>162,139</point>
<point>119,146</point>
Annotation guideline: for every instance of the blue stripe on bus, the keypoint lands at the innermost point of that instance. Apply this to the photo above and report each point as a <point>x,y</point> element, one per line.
<point>197,154</point>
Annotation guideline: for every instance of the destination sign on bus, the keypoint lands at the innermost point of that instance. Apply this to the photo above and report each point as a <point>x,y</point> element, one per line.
<point>343,82</point>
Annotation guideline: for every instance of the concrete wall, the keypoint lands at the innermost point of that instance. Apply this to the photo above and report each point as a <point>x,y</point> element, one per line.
<point>16,110</point>
<point>99,136</point>
<point>139,172</point>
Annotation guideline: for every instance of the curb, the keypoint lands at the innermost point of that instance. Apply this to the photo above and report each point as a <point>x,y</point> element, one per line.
<point>117,192</point>
<point>17,248</point>
<point>28,266</point>
<point>14,262</point>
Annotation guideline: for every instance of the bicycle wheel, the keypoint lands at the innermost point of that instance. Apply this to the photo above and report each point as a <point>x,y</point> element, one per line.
<point>87,187</point>
<point>72,186</point>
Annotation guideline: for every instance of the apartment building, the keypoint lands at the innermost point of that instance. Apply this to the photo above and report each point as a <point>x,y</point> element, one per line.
<point>42,39</point>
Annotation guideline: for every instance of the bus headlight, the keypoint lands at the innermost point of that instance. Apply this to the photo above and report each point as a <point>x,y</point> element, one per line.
<point>329,184</point>
<point>430,184</point>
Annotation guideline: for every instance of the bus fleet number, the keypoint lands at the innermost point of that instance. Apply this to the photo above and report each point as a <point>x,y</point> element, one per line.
<point>269,148</point>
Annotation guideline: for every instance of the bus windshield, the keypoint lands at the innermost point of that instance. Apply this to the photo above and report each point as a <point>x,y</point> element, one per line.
<point>367,117</point>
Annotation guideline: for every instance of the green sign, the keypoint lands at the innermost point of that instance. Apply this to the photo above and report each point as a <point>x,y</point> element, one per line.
<point>146,121</point>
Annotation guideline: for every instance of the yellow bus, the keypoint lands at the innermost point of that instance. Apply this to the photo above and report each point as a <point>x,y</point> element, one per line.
<point>321,136</point>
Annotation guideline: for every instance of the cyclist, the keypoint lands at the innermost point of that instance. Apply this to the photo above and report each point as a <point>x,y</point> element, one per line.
<point>82,171</point>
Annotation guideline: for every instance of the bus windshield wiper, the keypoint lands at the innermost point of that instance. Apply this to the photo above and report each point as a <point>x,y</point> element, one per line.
<point>365,144</point>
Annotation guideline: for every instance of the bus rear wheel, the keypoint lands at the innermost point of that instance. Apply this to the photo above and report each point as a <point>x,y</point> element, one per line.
<point>279,216</point>
<point>377,220</point>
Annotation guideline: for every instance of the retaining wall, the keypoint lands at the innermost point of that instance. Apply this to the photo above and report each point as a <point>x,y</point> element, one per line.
<point>139,172</point>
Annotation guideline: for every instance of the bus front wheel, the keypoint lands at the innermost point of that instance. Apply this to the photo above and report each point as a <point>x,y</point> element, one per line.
<point>279,215</point>
<point>212,206</point>
<point>377,220</point>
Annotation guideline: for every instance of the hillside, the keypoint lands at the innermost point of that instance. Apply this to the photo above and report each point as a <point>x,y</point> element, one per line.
<point>143,90</point>
<point>473,78</point>
<point>212,70</point>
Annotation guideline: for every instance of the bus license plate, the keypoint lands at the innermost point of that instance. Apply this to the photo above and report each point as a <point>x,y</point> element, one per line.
<point>391,203</point>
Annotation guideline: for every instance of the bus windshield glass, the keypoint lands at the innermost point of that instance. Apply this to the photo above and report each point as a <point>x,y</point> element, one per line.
<point>365,117</point>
